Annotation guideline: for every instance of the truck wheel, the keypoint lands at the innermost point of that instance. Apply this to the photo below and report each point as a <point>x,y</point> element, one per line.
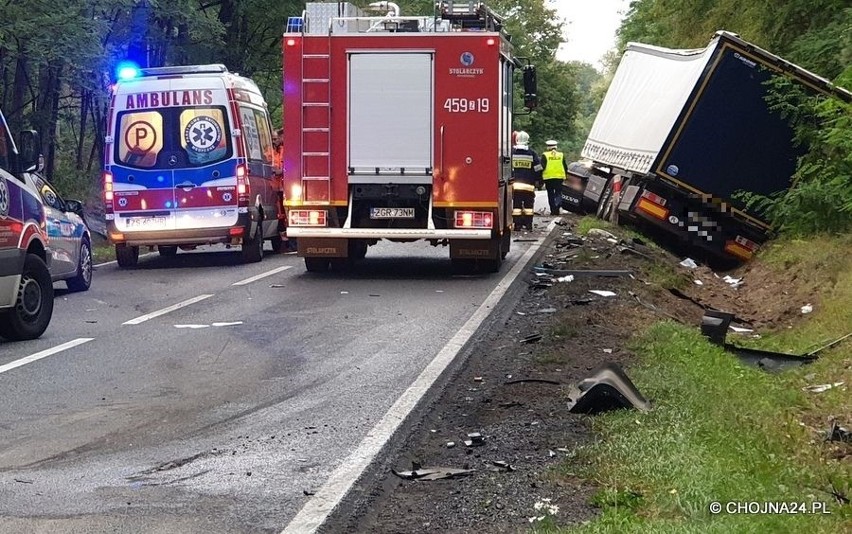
<point>34,306</point>
<point>167,251</point>
<point>83,279</point>
<point>316,265</point>
<point>253,248</point>
<point>126,256</point>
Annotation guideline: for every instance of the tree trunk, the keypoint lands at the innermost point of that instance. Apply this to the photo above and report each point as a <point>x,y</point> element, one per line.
<point>19,88</point>
<point>85,102</point>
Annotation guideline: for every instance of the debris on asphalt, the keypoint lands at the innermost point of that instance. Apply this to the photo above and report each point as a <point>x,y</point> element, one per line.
<point>477,379</point>
<point>309,492</point>
<point>602,292</point>
<point>607,389</point>
<point>547,310</point>
<point>432,473</point>
<point>733,282</point>
<point>451,444</point>
<point>277,285</point>
<point>612,273</point>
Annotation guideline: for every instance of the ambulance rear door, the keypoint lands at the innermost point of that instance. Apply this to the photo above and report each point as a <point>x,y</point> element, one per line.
<point>174,163</point>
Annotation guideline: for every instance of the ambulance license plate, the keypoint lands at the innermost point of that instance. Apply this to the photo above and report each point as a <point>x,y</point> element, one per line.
<point>391,213</point>
<point>146,222</point>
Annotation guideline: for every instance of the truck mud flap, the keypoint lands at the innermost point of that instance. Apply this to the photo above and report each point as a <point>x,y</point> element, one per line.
<point>607,389</point>
<point>595,187</point>
<point>628,197</point>
<point>323,247</point>
<point>475,249</point>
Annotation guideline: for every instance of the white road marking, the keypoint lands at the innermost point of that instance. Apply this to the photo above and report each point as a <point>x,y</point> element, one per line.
<point>44,354</point>
<point>261,275</point>
<point>314,513</point>
<point>179,305</point>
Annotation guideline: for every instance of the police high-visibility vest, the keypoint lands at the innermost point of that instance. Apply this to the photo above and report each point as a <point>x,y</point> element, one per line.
<point>554,169</point>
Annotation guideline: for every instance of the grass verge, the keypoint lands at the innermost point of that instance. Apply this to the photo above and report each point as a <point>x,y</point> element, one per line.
<point>724,432</point>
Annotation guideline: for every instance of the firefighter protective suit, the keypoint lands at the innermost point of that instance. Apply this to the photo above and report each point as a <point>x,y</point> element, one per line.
<point>526,173</point>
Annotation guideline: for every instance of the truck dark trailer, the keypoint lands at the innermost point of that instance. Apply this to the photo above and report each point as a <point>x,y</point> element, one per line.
<point>680,132</point>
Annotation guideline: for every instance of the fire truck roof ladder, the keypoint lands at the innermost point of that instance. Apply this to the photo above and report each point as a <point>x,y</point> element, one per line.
<point>470,15</point>
<point>316,119</point>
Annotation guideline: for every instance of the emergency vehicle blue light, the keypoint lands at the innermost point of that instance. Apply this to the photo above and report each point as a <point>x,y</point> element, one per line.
<point>127,70</point>
<point>161,178</point>
<point>169,204</point>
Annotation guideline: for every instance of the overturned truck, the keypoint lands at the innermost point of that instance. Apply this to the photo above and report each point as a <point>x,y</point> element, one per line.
<point>681,132</point>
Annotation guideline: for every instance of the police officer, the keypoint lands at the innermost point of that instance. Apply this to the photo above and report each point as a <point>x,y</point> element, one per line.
<point>526,173</point>
<point>555,171</point>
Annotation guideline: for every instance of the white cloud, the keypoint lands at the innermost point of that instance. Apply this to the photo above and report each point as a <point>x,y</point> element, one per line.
<point>591,27</point>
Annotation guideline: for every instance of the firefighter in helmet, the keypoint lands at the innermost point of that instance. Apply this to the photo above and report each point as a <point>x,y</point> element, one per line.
<point>555,170</point>
<point>526,174</point>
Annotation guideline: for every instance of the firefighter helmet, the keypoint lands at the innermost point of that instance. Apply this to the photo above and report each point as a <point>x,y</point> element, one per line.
<point>523,138</point>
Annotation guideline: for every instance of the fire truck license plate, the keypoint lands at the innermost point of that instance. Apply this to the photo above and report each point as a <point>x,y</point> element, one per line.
<point>142,222</point>
<point>391,213</point>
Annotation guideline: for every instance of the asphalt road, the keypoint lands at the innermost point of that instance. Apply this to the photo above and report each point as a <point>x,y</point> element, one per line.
<point>198,394</point>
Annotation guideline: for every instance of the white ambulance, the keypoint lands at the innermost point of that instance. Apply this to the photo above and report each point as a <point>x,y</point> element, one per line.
<point>189,161</point>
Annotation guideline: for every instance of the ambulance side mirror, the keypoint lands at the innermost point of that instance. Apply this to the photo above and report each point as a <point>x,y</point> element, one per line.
<point>530,87</point>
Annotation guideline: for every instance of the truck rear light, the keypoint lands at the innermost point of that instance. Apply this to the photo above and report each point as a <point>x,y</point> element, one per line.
<point>741,247</point>
<point>652,208</point>
<point>106,178</point>
<point>291,42</point>
<point>296,193</point>
<point>656,199</point>
<point>236,232</point>
<point>116,237</point>
<point>653,205</point>
<point>308,217</point>
<point>243,188</point>
<point>474,219</point>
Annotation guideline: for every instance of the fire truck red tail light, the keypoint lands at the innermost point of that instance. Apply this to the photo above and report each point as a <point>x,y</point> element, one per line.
<point>236,232</point>
<point>474,219</point>
<point>308,217</point>
<point>490,41</point>
<point>291,42</point>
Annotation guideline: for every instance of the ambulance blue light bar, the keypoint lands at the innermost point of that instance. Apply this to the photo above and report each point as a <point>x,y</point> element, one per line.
<point>184,69</point>
<point>127,70</point>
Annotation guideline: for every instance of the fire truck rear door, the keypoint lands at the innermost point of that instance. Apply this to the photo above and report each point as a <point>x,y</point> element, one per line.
<point>391,117</point>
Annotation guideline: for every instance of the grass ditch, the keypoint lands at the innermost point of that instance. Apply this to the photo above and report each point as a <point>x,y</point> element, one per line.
<point>723,432</point>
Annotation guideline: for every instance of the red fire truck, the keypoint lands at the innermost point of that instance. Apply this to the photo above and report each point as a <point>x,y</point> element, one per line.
<point>399,128</point>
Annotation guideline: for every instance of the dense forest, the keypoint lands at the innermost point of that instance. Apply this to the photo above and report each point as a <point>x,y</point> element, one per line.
<point>57,60</point>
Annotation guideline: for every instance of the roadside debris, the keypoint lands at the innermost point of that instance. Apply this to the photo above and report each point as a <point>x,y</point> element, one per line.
<point>597,232</point>
<point>689,263</point>
<point>822,387</point>
<point>432,473</point>
<point>309,492</point>
<point>532,338</point>
<point>539,380</point>
<point>807,308</point>
<point>502,465</point>
<point>838,433</point>
<point>475,439</point>
<point>715,325</point>
<point>607,389</point>
<point>602,292</point>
